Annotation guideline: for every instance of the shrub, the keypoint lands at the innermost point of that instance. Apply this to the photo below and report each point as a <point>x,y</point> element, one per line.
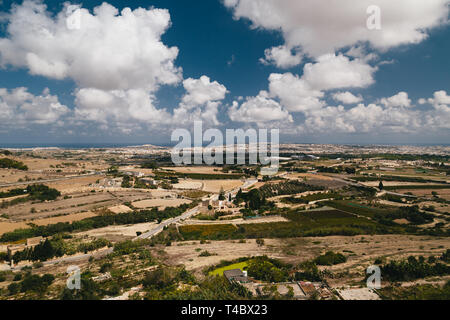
<point>205,254</point>
<point>12,164</point>
<point>265,269</point>
<point>13,288</point>
<point>158,279</point>
<point>412,269</point>
<point>330,258</point>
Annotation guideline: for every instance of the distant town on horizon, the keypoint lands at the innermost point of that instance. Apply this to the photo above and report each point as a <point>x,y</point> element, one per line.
<point>232,158</point>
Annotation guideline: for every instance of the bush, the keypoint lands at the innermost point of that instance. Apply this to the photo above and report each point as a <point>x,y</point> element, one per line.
<point>36,283</point>
<point>106,267</point>
<point>13,288</point>
<point>412,269</point>
<point>330,258</point>
<point>90,290</point>
<point>159,279</point>
<point>308,271</point>
<point>17,277</point>
<point>205,254</point>
<point>265,269</point>
<point>12,164</point>
<point>3,256</point>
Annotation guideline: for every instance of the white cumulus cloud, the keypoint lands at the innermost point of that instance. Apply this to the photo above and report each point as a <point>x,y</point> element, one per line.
<point>19,107</point>
<point>347,97</point>
<point>109,51</point>
<point>282,57</point>
<point>259,109</point>
<point>439,98</point>
<point>321,27</point>
<point>399,100</point>
<point>201,101</point>
<point>201,91</point>
<point>338,71</point>
<point>295,94</point>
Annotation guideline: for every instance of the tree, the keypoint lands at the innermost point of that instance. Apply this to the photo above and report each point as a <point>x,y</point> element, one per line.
<point>43,251</point>
<point>330,258</point>
<point>13,288</point>
<point>126,182</point>
<point>159,278</point>
<point>221,194</point>
<point>113,170</point>
<point>380,186</point>
<point>150,165</point>
<point>350,170</point>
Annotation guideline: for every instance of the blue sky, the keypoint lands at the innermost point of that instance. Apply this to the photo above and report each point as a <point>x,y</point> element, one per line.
<point>226,42</point>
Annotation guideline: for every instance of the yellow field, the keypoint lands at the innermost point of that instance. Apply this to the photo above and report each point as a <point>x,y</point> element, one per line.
<point>161,203</point>
<point>219,271</point>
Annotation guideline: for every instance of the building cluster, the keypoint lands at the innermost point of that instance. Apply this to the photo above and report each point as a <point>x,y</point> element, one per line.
<point>300,290</point>
<point>219,204</point>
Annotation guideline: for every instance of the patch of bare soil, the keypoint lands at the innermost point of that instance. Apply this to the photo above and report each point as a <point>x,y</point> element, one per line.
<point>215,186</point>
<point>361,251</point>
<point>197,169</point>
<point>160,203</point>
<point>188,185</point>
<point>8,226</point>
<point>187,253</point>
<point>442,193</point>
<point>117,233</point>
<point>75,204</point>
<point>120,209</point>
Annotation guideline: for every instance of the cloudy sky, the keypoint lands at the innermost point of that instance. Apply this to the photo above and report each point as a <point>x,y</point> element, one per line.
<point>133,71</point>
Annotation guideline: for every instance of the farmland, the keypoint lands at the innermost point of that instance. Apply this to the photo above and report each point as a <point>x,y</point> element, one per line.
<point>205,220</point>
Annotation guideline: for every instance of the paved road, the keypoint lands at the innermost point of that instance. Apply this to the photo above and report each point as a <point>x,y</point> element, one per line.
<point>399,194</point>
<point>166,223</point>
<point>49,180</point>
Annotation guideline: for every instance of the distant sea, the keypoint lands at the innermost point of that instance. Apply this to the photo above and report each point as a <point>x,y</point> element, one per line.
<point>68,145</point>
<point>122,145</point>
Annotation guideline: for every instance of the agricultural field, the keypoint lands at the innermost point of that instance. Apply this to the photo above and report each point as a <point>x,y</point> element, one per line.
<point>160,203</point>
<point>196,169</point>
<point>214,186</point>
<point>219,271</point>
<point>320,220</point>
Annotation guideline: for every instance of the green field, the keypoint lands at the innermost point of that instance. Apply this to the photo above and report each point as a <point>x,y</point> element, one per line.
<point>215,231</point>
<point>302,224</point>
<point>219,271</point>
<point>357,208</point>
